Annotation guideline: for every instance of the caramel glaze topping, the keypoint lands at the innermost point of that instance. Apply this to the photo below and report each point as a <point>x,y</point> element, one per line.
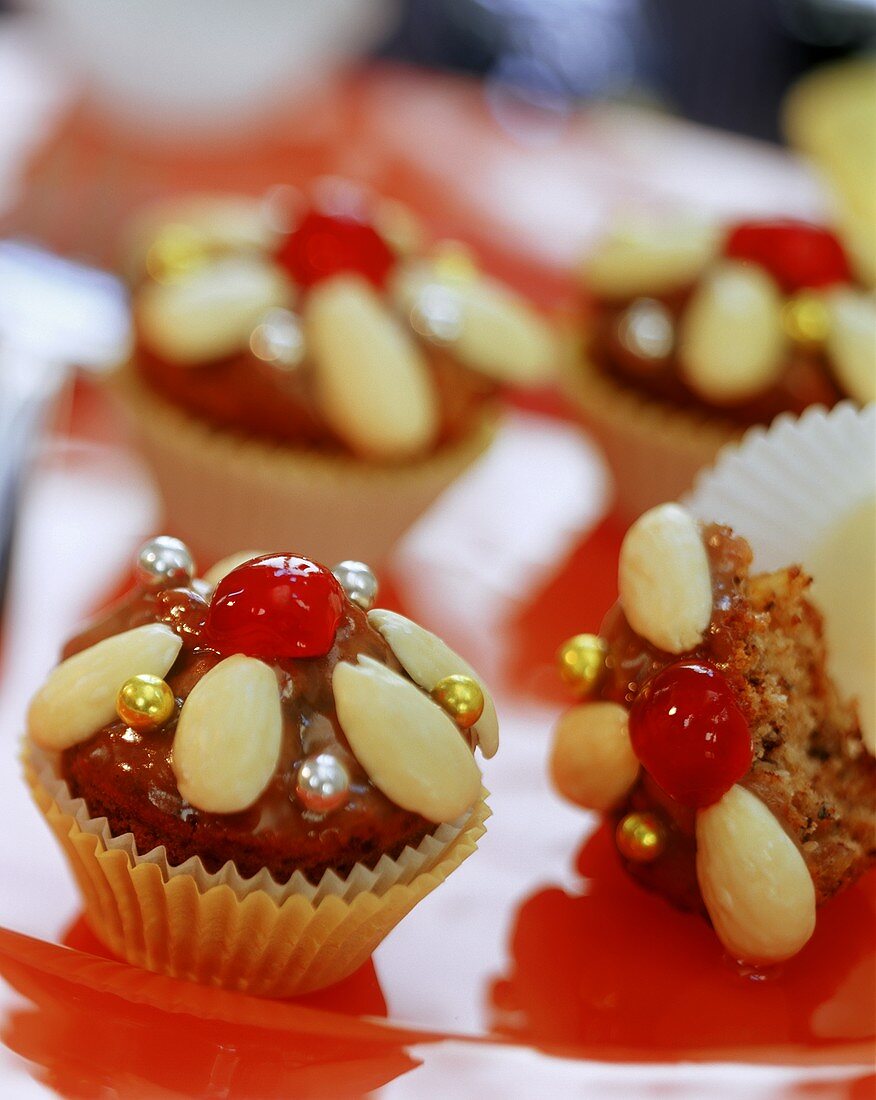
<point>127,776</point>
<point>806,380</point>
<point>242,393</point>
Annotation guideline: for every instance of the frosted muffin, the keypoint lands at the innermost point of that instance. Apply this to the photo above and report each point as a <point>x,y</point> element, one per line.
<point>314,372</point>
<point>694,332</point>
<point>255,775</point>
<point>738,778</point>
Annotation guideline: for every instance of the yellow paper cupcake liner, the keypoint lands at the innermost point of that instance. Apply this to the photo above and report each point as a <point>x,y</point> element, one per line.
<point>240,938</point>
<point>222,491</point>
<point>654,451</point>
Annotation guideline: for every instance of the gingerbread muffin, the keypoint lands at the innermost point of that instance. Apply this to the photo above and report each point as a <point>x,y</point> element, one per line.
<point>692,332</point>
<point>257,744</point>
<point>714,737</point>
<point>312,368</point>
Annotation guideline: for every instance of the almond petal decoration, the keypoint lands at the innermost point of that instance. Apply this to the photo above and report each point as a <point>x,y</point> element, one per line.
<point>592,762</point>
<point>756,885</point>
<point>649,256</point>
<point>408,746</point>
<point>664,582</point>
<point>211,311</point>
<point>495,331</point>
<point>851,342</point>
<point>222,568</point>
<point>374,386</point>
<point>219,223</point>
<point>426,659</point>
<point>228,737</point>
<point>502,337</point>
<point>79,696</point>
<point>731,341</point>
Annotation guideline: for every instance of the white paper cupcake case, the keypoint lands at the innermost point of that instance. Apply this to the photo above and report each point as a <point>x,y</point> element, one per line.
<point>783,487</point>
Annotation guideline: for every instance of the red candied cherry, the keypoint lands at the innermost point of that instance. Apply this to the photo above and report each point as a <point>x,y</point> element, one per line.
<point>278,605</point>
<point>328,244</point>
<point>689,733</point>
<point>795,253</point>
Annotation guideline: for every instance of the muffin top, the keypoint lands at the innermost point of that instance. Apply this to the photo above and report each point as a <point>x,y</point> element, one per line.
<point>327,323</point>
<point>714,737</point>
<point>745,321</point>
<point>264,715</point>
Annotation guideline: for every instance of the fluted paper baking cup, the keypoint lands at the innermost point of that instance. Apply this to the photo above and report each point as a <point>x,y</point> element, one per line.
<point>784,487</point>
<point>254,935</point>
<point>804,492</point>
<point>654,450</point>
<point>222,491</point>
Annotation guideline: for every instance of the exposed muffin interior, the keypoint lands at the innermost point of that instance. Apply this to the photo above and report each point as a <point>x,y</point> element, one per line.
<point>810,766</point>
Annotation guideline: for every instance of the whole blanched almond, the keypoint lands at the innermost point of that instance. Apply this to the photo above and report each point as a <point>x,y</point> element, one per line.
<point>851,342</point>
<point>495,332</point>
<point>374,386</point>
<point>753,879</point>
<point>79,696</point>
<point>731,342</point>
<point>426,659</point>
<point>592,762</point>
<point>218,223</point>
<point>649,256</point>
<point>409,747</point>
<point>228,737</point>
<point>211,311</point>
<point>222,568</point>
<point>664,582</point>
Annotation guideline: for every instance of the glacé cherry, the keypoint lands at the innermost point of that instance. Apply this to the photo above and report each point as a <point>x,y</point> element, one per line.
<point>278,605</point>
<point>795,253</point>
<point>690,734</point>
<point>326,244</point>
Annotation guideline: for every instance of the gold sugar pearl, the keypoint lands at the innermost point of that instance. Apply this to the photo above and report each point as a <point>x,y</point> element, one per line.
<point>806,318</point>
<point>640,837</point>
<point>177,250</point>
<point>582,662</point>
<point>461,697</point>
<point>145,702</point>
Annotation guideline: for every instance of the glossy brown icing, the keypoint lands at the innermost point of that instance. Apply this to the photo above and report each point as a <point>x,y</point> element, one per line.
<point>244,394</point>
<point>806,379</point>
<point>128,777</point>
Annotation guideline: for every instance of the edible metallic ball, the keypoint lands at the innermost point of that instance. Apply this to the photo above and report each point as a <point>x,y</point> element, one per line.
<point>582,662</point>
<point>165,562</point>
<point>358,582</point>
<point>461,697</point>
<point>646,329</point>
<point>323,783</point>
<point>640,837</point>
<point>806,318</point>
<point>145,702</point>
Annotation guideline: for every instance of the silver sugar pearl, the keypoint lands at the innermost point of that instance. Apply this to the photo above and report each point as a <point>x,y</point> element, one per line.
<point>437,314</point>
<point>646,329</point>
<point>277,339</point>
<point>358,582</point>
<point>164,562</point>
<point>322,784</point>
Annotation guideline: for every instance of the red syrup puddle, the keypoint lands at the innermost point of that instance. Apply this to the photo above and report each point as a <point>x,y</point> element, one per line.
<point>615,972</point>
<point>175,1039</point>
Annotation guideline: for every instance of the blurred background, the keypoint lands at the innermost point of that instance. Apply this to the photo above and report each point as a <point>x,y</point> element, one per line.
<point>95,96</point>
